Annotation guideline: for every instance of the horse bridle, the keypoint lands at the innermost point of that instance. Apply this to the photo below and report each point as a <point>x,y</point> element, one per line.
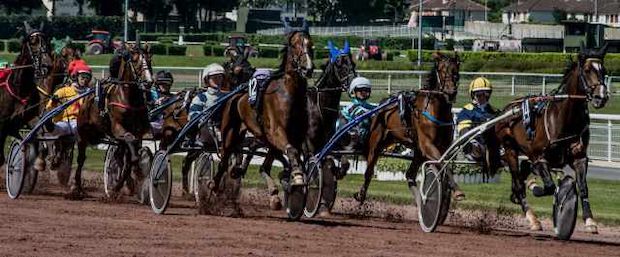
<point>441,84</point>
<point>589,89</point>
<point>39,70</point>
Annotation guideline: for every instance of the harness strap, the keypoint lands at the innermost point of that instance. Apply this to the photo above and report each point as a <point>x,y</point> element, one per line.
<point>126,106</point>
<point>9,89</point>
<point>434,119</point>
<point>42,91</point>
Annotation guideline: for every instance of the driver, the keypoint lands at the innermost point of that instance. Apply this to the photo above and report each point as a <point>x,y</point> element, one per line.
<point>475,113</point>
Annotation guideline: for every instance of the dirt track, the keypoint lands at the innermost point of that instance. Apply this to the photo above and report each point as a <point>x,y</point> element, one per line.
<point>48,225</point>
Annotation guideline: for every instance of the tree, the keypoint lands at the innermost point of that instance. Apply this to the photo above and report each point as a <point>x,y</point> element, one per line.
<point>396,9</point>
<point>80,4</point>
<point>324,10</point>
<point>20,6</point>
<point>107,7</point>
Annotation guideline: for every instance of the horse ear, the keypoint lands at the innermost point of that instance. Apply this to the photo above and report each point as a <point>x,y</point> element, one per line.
<point>246,53</point>
<point>305,27</point>
<point>347,48</point>
<point>287,28</point>
<point>330,45</point>
<point>436,56</point>
<point>27,27</point>
<point>603,49</point>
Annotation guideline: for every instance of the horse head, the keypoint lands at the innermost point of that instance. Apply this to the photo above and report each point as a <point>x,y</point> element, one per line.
<point>445,75</point>
<point>299,50</point>
<point>35,51</point>
<point>341,64</point>
<point>238,68</point>
<point>592,75</point>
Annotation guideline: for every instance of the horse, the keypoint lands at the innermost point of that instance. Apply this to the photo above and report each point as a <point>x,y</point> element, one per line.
<point>561,133</point>
<point>323,103</point>
<point>124,121</point>
<point>282,121</point>
<point>422,122</point>
<point>19,98</point>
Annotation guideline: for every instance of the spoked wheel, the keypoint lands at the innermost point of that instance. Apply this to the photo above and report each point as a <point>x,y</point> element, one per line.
<point>160,186</point>
<point>294,198</point>
<point>315,189</point>
<point>565,208</point>
<point>432,205</point>
<point>203,173</point>
<point>146,158</point>
<point>113,168</point>
<point>15,170</point>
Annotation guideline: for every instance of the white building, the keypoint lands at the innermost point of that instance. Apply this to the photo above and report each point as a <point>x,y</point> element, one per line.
<point>67,8</point>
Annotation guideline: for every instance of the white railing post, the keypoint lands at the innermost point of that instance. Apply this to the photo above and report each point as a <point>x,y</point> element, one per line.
<point>102,73</point>
<point>420,81</point>
<point>609,129</point>
<point>199,79</point>
<point>389,84</point>
<point>544,85</point>
<point>512,88</point>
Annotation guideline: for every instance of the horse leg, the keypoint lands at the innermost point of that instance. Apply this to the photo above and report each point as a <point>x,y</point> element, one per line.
<point>185,167</point>
<point>371,160</point>
<point>542,168</point>
<point>581,171</point>
<point>265,171</point>
<point>76,192</point>
<point>280,141</point>
<point>138,174</point>
<point>518,187</point>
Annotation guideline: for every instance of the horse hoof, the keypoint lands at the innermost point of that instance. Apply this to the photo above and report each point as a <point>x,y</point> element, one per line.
<point>75,195</point>
<point>325,213</point>
<point>360,197</point>
<point>275,203</point>
<point>591,226</point>
<point>211,184</point>
<point>39,164</point>
<point>536,227</point>
<point>534,223</point>
<point>298,179</point>
<point>458,195</point>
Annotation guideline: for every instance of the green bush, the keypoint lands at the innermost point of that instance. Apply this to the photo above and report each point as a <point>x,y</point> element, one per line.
<point>269,52</point>
<point>78,46</point>
<point>177,50</point>
<point>166,40</point>
<point>14,46</point>
<point>213,50</point>
<point>159,49</point>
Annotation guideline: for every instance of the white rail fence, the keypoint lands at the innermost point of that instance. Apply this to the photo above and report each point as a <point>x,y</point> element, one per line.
<point>605,129</point>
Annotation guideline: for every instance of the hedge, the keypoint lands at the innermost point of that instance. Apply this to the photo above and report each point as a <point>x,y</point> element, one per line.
<point>213,50</point>
<point>14,46</point>
<point>177,50</point>
<point>159,49</point>
<point>60,26</point>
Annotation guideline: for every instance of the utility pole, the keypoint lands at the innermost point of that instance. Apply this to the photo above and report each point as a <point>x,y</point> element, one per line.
<point>420,34</point>
<point>486,19</point>
<point>596,10</point>
<point>126,20</point>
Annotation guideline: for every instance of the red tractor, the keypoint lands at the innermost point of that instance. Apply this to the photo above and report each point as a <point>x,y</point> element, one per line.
<point>371,50</point>
<point>100,42</point>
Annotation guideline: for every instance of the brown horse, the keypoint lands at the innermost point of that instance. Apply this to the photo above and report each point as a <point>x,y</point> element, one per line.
<point>323,104</point>
<point>19,98</point>
<point>282,120</point>
<point>561,133</point>
<point>125,120</point>
<point>423,122</point>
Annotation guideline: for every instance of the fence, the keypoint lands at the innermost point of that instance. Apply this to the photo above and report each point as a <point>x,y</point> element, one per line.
<point>605,129</point>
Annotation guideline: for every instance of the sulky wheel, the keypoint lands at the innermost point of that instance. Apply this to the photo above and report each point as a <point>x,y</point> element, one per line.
<point>432,205</point>
<point>15,170</point>
<point>203,174</point>
<point>160,186</point>
<point>315,189</point>
<point>113,168</point>
<point>565,208</point>
<point>295,199</point>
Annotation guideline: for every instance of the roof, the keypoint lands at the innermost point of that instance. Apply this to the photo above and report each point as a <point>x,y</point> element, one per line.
<point>570,6</point>
<point>447,5</point>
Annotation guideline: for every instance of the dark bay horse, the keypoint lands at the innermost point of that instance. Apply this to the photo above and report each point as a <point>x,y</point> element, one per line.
<point>125,120</point>
<point>422,122</point>
<point>282,121</point>
<point>323,105</point>
<point>19,98</point>
<point>562,133</point>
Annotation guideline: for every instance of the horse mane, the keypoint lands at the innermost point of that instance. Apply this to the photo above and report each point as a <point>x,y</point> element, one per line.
<point>568,68</point>
<point>431,79</point>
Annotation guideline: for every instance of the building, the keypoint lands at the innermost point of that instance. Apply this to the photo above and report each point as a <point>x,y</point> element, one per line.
<point>67,8</point>
<point>461,10</point>
<point>554,11</point>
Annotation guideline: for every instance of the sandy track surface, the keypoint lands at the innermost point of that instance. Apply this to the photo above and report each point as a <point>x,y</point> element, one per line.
<point>46,224</point>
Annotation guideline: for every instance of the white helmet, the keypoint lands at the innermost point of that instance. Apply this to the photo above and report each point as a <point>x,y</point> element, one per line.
<point>212,69</point>
<point>359,82</point>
